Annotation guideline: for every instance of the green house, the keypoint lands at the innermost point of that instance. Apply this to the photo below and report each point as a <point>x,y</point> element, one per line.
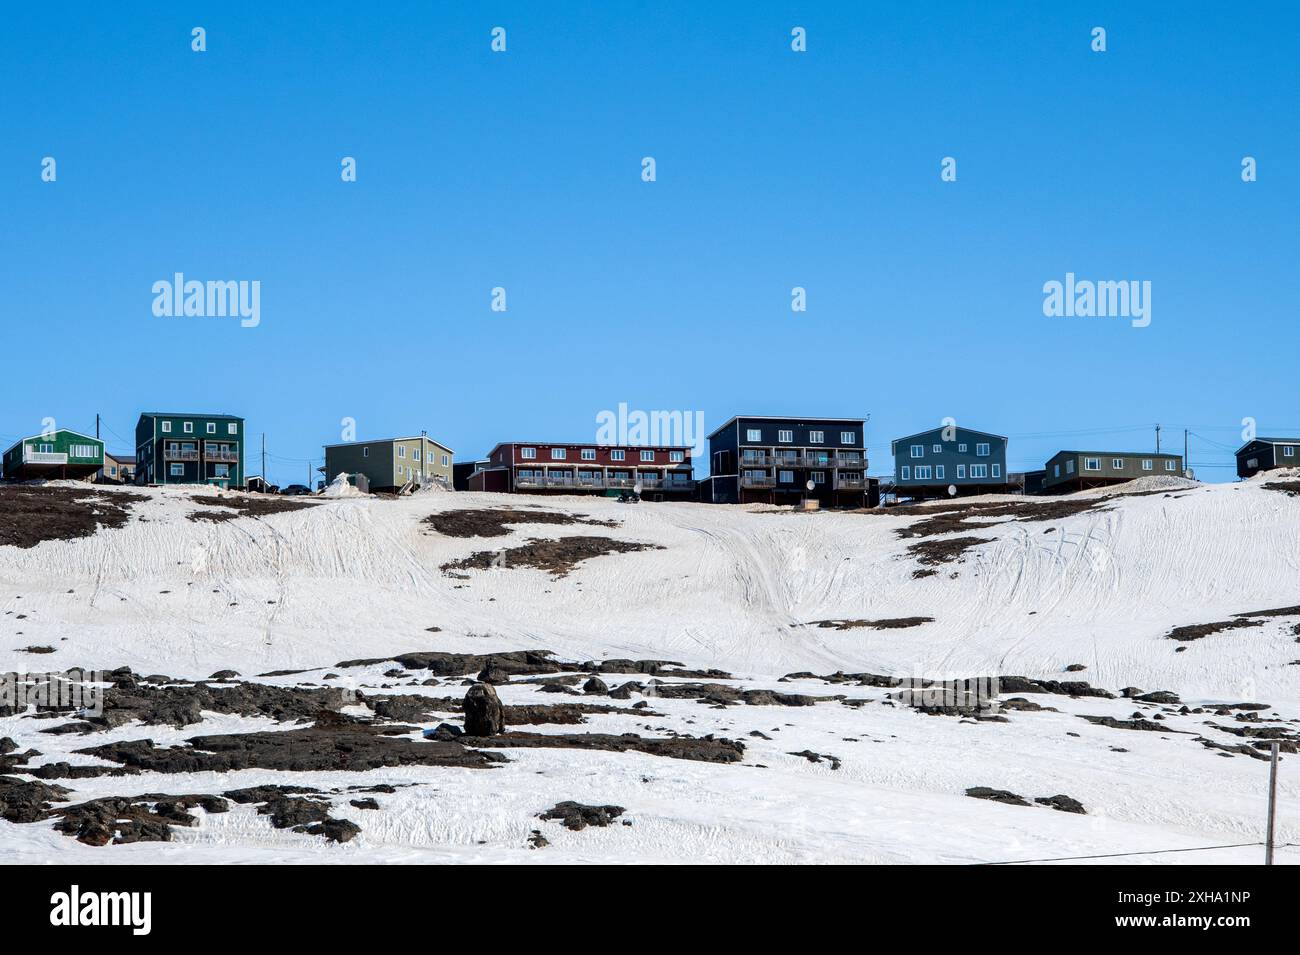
<point>176,448</point>
<point>57,454</point>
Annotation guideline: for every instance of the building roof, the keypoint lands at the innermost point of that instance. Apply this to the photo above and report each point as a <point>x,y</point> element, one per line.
<point>587,444</point>
<point>55,431</point>
<point>120,458</point>
<point>776,417</point>
<point>1133,454</point>
<point>955,427</point>
<point>349,444</point>
<point>1267,441</point>
<point>188,414</point>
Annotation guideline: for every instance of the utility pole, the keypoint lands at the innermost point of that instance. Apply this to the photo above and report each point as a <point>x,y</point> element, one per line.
<point>1186,464</point>
<point>265,479</point>
<point>96,425</point>
<point>1272,804</point>
<point>1157,439</point>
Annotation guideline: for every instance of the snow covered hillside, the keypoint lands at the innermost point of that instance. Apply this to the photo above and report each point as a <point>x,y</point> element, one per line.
<point>1083,590</point>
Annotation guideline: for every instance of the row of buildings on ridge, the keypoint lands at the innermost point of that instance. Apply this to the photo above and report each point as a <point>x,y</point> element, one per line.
<point>752,459</point>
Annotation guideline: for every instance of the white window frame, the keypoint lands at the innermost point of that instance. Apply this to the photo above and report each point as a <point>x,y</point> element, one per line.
<point>906,473</point>
<point>232,427</point>
<point>937,448</point>
<point>1171,465</point>
<point>618,455</point>
<point>445,460</point>
<point>1069,466</point>
<point>1288,450</point>
<point>1092,464</point>
<point>784,477</point>
<point>923,472</point>
<point>212,427</point>
<point>996,471</point>
<point>753,434</point>
<point>938,472</point>
<point>816,437</point>
<point>982,450</point>
<point>415,454</point>
<point>1117,464</point>
<point>785,436</point>
<point>176,470</point>
<point>167,427</point>
<point>1148,464</point>
<point>979,471</point>
<point>401,451</point>
<point>676,457</point>
<point>528,454</point>
<point>365,452</point>
<point>817,477</point>
<point>961,448</point>
<point>647,457</point>
<point>188,427</point>
<point>848,437</point>
<point>588,454</point>
<point>918,450</point>
<point>559,454</point>
<point>961,472</point>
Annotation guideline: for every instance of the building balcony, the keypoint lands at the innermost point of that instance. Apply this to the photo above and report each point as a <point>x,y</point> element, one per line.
<point>221,455</point>
<point>660,484</point>
<point>850,484</point>
<point>757,480</point>
<point>43,457</point>
<point>180,454</point>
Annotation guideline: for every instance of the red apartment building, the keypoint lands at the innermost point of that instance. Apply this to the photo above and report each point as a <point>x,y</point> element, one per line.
<point>664,473</point>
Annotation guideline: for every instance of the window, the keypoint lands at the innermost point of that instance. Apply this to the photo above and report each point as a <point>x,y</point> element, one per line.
<point>221,470</point>
<point>979,470</point>
<point>416,454</point>
<point>45,448</point>
<point>365,452</point>
<point>961,471</point>
<point>188,427</point>
<point>938,472</point>
<point>82,451</point>
<point>112,472</point>
<point>961,448</point>
<point>1171,465</point>
<point>1092,464</point>
<point>997,470</point>
<point>647,456</point>
<point>676,457</point>
<point>785,436</point>
<point>1288,451</point>
<point>618,455</point>
<point>1069,466</point>
<point>848,437</point>
<point>1056,470</point>
<point>923,472</point>
<point>907,473</point>
<point>981,450</point>
<point>816,437</point>
<point>558,454</point>
<point>753,434</point>
<point>528,453</point>
<point>937,449</point>
<point>1146,464</point>
<point>818,477</point>
<point>1117,464</point>
<point>401,452</point>
<point>445,460</point>
<point>212,427</point>
<point>177,470</point>
<point>232,428</point>
<point>785,477</point>
<point>918,450</point>
<point>588,454</point>
<point>167,427</point>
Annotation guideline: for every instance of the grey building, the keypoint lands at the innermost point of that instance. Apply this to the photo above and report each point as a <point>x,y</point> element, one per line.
<point>1077,470</point>
<point>928,463</point>
<point>1265,454</point>
<point>391,463</point>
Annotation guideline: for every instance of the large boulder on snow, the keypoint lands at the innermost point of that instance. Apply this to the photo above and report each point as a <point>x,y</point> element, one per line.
<point>484,715</point>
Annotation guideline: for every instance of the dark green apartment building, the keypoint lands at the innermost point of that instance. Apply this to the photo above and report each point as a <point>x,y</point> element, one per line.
<point>175,448</point>
<point>53,455</point>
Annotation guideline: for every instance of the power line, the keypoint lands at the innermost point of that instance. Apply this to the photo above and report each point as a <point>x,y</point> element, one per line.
<point>1119,855</point>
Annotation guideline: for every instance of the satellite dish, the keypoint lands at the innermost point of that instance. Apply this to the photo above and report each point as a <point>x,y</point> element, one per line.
<point>637,487</point>
<point>809,484</point>
<point>952,490</point>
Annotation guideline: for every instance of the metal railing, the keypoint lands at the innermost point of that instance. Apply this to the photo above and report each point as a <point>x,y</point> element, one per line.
<point>179,454</point>
<point>747,480</point>
<point>221,454</point>
<point>849,484</point>
<point>43,457</point>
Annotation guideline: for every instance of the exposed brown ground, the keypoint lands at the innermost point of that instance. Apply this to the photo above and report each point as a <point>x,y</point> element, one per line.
<point>493,521</point>
<point>888,623</point>
<point>245,507</point>
<point>32,513</point>
<point>557,557</point>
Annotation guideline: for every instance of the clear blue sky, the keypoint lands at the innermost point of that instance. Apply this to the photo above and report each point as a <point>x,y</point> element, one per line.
<point>775,169</point>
